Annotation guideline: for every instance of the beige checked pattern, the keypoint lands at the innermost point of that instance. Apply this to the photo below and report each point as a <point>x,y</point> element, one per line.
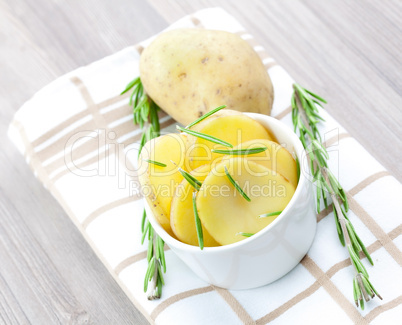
<point>46,155</point>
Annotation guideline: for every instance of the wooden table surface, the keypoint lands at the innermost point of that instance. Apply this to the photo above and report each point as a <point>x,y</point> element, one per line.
<point>347,51</point>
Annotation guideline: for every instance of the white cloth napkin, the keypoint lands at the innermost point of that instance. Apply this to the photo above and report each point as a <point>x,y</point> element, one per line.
<point>77,135</point>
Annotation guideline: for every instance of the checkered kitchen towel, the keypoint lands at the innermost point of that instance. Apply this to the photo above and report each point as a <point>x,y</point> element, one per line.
<point>85,152</point>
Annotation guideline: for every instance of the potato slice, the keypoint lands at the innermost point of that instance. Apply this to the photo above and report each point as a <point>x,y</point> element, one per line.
<point>227,125</point>
<point>224,212</point>
<point>276,158</point>
<point>182,220</point>
<point>159,183</point>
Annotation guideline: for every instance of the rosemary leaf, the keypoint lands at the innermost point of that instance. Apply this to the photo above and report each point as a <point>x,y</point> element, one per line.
<point>316,96</point>
<point>150,232</point>
<point>154,118</point>
<point>198,225</point>
<point>356,292</point>
<point>367,286</point>
<point>240,152</point>
<point>338,227</point>
<point>162,252</point>
<point>145,111</point>
<point>237,187</point>
<point>363,247</point>
<point>160,273</point>
<point>205,116</point>
<point>356,261</point>
<point>144,218</point>
<point>245,234</point>
<point>157,163</point>
<point>159,285</point>
<point>145,232</point>
<point>191,179</point>
<point>149,273</point>
<point>298,168</point>
<point>130,85</point>
<point>150,251</point>
<point>373,289</point>
<point>355,243</point>
<point>142,143</point>
<point>139,93</point>
<point>131,98</point>
<point>271,214</point>
<point>205,137</point>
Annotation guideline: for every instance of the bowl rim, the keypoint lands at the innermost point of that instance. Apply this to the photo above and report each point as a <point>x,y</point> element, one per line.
<point>175,243</point>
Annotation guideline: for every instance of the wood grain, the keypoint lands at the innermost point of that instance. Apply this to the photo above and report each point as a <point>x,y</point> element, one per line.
<point>347,51</point>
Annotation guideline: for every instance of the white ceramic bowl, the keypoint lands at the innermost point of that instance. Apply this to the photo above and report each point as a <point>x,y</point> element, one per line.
<point>270,253</point>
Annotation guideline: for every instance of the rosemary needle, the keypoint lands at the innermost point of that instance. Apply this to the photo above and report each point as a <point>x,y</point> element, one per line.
<point>245,234</point>
<point>157,163</point>
<point>190,179</point>
<point>198,225</point>
<point>205,137</point>
<point>240,152</point>
<point>237,187</point>
<point>205,116</point>
<point>276,213</point>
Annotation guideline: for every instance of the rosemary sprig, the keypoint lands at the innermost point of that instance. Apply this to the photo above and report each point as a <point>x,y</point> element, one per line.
<point>205,137</point>
<point>203,117</point>
<point>234,183</point>
<point>145,114</point>
<point>305,117</point>
<point>157,163</point>
<point>198,225</point>
<point>240,152</point>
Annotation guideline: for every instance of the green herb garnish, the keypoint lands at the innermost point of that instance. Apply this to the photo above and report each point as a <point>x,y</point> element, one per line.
<point>157,163</point>
<point>240,152</point>
<point>205,116</point>
<point>145,114</point>
<point>276,213</point>
<point>298,168</point>
<point>237,187</point>
<point>205,136</point>
<point>190,179</point>
<point>245,234</point>
<point>305,117</point>
<point>198,225</point>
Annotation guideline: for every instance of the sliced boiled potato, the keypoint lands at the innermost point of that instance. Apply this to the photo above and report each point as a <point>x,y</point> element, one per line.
<point>225,213</point>
<point>227,125</point>
<point>159,183</point>
<point>182,220</point>
<point>276,158</point>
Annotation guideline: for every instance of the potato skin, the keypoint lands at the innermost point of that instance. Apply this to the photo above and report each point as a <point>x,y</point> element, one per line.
<point>189,72</point>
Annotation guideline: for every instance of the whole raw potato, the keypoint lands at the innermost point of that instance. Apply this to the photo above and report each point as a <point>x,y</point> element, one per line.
<point>189,72</point>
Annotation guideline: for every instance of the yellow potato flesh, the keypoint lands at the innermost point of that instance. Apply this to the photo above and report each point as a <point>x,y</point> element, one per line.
<point>189,72</point>
<point>276,158</point>
<point>224,212</point>
<point>234,129</point>
<point>159,183</point>
<point>182,220</point>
